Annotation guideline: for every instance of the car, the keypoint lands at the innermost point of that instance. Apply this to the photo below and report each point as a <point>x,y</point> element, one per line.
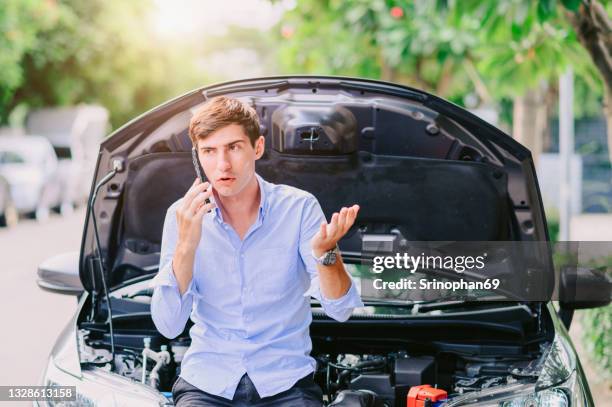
<point>8,213</point>
<point>422,170</point>
<point>75,133</point>
<point>30,166</point>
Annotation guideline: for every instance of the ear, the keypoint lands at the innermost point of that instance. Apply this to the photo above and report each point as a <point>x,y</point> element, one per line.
<point>260,146</point>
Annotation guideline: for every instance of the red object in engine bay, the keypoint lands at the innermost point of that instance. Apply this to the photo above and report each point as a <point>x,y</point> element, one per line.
<point>425,396</point>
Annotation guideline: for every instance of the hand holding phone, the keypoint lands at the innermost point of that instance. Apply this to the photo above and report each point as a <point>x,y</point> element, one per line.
<point>195,204</point>
<point>198,169</point>
<point>189,217</point>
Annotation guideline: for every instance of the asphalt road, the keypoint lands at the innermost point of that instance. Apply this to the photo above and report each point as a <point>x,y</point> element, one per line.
<point>31,319</point>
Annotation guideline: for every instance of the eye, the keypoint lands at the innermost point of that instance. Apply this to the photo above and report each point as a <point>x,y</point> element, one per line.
<point>234,147</point>
<point>206,152</point>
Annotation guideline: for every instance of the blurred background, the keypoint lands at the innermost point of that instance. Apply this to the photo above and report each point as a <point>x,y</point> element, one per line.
<point>72,71</point>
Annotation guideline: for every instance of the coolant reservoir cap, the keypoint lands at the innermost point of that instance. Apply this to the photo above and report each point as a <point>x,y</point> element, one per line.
<point>417,395</point>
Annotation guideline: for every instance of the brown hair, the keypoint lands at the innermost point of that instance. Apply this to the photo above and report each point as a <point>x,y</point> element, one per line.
<point>222,111</point>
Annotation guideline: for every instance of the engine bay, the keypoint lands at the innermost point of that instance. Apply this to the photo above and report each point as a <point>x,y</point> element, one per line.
<point>376,360</point>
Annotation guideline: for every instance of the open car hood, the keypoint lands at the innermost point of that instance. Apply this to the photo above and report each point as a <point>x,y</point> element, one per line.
<point>420,167</point>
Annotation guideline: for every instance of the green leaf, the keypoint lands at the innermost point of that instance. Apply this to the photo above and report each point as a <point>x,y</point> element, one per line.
<point>517,32</point>
<point>522,11</point>
<point>490,12</point>
<point>571,4</point>
<point>546,9</point>
<point>441,5</point>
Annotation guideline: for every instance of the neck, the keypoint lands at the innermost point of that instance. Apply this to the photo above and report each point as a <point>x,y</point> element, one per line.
<point>243,204</point>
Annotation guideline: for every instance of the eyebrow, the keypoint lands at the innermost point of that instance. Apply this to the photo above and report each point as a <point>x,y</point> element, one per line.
<point>227,145</point>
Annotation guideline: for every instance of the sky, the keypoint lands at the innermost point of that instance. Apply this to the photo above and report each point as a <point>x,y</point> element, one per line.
<point>187,17</point>
<point>183,20</point>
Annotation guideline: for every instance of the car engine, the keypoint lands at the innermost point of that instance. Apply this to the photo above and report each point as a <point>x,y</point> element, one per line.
<point>382,379</point>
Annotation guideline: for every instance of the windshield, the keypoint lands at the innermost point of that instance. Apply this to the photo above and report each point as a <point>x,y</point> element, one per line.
<point>11,157</point>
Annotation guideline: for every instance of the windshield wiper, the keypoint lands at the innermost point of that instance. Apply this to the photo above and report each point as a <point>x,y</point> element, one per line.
<point>466,297</point>
<point>443,301</point>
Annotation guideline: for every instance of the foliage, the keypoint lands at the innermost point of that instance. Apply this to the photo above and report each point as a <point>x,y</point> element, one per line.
<point>522,43</point>
<point>597,337</point>
<point>93,52</point>
<point>552,220</point>
<point>364,38</point>
<point>21,21</point>
<point>456,49</point>
<point>596,322</point>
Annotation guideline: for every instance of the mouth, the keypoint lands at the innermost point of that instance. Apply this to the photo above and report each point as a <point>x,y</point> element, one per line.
<point>225,180</point>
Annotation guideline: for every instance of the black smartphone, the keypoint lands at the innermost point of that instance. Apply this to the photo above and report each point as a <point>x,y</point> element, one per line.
<point>198,168</point>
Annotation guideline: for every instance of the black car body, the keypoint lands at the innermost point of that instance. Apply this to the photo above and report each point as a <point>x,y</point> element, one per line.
<point>421,168</point>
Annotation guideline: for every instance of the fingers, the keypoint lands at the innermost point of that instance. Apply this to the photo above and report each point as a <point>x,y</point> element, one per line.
<point>341,222</point>
<point>323,230</point>
<point>199,200</point>
<point>204,209</point>
<point>351,216</point>
<point>332,227</point>
<point>346,218</point>
<point>195,189</point>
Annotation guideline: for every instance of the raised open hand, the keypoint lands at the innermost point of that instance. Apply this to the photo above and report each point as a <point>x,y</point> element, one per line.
<point>330,233</point>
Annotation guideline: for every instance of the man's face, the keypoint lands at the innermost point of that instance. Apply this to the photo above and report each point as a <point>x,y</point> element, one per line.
<point>228,159</point>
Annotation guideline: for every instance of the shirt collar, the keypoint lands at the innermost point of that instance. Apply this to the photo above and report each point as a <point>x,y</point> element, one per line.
<point>263,200</point>
<point>263,193</point>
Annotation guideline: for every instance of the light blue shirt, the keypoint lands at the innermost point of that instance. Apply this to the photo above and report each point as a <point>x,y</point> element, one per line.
<point>249,299</point>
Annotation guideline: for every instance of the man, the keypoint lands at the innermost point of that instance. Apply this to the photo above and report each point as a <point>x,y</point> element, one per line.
<point>244,267</point>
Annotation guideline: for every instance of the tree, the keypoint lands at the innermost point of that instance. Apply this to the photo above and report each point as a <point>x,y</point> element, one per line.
<point>412,44</point>
<point>497,50</point>
<point>21,21</point>
<point>92,52</point>
<point>578,33</point>
<point>524,47</point>
<point>593,24</point>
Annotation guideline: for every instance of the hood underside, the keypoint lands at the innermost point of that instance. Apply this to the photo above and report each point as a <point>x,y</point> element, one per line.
<point>419,167</point>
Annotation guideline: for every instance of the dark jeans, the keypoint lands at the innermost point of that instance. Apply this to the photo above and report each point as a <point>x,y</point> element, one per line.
<point>304,393</point>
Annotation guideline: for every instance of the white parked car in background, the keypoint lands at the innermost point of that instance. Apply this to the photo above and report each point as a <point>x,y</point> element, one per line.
<point>29,165</point>
<point>8,213</point>
<point>75,132</point>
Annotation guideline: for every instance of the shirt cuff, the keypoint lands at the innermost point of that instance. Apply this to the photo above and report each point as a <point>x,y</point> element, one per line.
<point>351,299</point>
<point>166,278</point>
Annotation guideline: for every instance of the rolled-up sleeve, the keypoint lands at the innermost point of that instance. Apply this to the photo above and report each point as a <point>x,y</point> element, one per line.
<point>170,310</point>
<point>341,308</point>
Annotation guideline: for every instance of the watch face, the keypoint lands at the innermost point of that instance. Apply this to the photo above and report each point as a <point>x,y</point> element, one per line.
<point>330,258</point>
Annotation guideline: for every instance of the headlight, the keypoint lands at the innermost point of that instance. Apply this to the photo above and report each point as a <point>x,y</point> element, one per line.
<point>97,387</point>
<point>547,398</point>
<point>558,385</point>
<point>568,394</point>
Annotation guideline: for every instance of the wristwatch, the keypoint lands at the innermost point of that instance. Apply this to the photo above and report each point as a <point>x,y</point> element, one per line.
<point>328,258</point>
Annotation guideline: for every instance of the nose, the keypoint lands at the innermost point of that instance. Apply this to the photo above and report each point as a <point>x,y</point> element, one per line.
<point>223,163</point>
